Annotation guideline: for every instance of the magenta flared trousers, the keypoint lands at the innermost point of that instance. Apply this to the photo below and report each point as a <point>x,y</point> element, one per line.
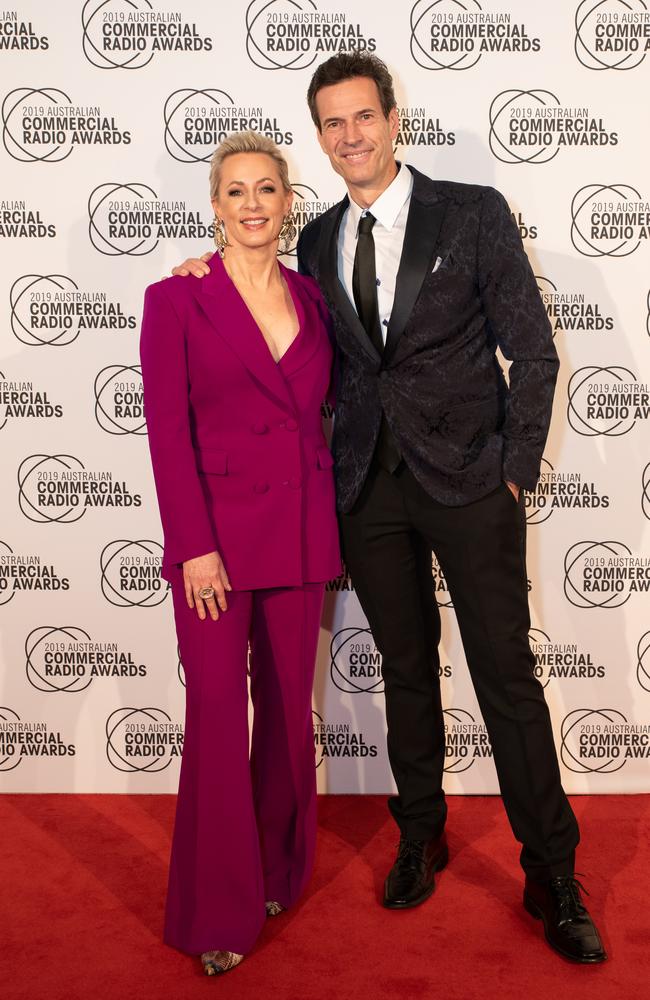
<point>245,824</point>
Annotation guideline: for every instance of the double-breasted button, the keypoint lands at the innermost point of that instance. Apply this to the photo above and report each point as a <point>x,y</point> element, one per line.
<point>295,483</point>
<point>261,487</point>
<point>291,424</point>
<point>259,427</point>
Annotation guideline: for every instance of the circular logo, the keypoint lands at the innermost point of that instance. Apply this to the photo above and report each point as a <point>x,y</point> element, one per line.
<point>119,222</point>
<point>25,109</point>
<point>432,44</point>
<point>538,639</point>
<point>355,662</point>
<point>131,573</point>
<point>645,491</point>
<point>317,720</point>
<point>119,400</point>
<point>3,420</point>
<point>643,661</point>
<point>40,497</point>
<point>191,118</point>
<point>585,748</point>
<point>51,664</point>
<point>590,577</point>
<point>537,505</point>
<point>515,136</point>
<point>547,287</point>
<point>9,758</point>
<point>303,207</point>
<point>181,668</point>
<point>6,590</point>
<point>604,40</point>
<point>273,36</point>
<point>39,312</point>
<point>105,27</point>
<point>604,222</point>
<point>461,746</point>
<point>443,598</point>
<point>142,739</point>
<point>597,405</point>
<point>647,319</point>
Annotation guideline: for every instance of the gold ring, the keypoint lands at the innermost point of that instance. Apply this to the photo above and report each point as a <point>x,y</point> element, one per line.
<point>205,593</point>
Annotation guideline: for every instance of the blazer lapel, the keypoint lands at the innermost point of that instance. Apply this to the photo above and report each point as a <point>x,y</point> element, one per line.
<point>422,230</point>
<point>308,340</point>
<point>330,283</point>
<point>219,299</point>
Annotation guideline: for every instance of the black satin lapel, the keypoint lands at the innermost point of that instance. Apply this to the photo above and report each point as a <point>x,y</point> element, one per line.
<point>422,231</point>
<point>327,252</point>
<point>231,318</point>
<point>332,287</point>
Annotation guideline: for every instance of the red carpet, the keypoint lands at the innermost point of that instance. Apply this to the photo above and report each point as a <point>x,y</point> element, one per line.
<point>83,879</point>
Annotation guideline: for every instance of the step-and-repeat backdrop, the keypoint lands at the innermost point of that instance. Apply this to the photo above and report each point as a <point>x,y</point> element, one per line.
<point>110,112</point>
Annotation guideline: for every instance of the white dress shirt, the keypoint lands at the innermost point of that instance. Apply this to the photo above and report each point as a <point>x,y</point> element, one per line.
<point>391,211</point>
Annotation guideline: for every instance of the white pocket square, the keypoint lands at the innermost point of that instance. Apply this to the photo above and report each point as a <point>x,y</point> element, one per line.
<point>436,265</point>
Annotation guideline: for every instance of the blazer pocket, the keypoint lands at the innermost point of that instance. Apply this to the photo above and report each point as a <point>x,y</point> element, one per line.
<point>212,462</point>
<point>485,402</point>
<point>445,265</point>
<point>324,458</point>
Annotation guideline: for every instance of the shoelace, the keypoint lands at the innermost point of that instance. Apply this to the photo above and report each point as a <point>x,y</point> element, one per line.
<point>567,889</point>
<point>411,850</point>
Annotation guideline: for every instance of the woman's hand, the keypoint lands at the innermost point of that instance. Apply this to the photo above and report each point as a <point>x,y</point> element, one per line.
<point>206,571</point>
<point>198,266</point>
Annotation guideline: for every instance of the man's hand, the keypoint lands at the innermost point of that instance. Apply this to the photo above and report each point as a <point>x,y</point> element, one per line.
<point>514,489</point>
<point>206,571</point>
<point>198,266</point>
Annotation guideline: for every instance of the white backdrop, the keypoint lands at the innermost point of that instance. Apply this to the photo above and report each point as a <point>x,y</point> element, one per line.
<point>110,112</point>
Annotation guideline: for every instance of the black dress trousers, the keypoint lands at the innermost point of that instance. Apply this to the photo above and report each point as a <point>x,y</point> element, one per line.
<point>387,539</point>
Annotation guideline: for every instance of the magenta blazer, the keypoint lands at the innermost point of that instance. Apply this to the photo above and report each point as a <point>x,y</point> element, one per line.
<point>239,457</point>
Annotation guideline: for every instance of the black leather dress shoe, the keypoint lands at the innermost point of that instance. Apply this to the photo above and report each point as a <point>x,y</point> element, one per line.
<point>567,924</point>
<point>411,880</point>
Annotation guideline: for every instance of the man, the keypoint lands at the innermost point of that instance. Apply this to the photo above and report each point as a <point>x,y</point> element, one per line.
<point>424,279</point>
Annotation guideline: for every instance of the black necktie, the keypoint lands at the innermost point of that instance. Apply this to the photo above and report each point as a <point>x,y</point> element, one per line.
<point>364,282</point>
<point>364,290</point>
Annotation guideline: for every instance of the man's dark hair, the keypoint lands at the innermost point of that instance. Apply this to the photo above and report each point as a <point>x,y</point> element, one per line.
<point>347,66</point>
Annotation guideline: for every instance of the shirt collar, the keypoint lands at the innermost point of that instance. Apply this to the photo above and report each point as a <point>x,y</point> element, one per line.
<point>390,202</point>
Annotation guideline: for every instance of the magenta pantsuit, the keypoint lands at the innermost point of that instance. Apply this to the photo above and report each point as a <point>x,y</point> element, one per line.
<point>241,467</point>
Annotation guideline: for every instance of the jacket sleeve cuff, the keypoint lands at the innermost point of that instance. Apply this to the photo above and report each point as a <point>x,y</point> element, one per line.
<point>520,468</point>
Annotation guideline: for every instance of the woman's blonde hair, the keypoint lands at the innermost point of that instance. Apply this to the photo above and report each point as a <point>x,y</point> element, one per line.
<point>246,142</point>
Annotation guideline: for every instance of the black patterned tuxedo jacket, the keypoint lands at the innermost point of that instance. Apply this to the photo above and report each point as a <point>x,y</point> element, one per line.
<point>460,427</point>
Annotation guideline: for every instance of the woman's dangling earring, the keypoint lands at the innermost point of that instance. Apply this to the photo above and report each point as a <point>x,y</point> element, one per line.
<point>220,239</point>
<point>287,233</point>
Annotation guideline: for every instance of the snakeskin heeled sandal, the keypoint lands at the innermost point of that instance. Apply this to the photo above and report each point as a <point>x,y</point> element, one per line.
<point>273,908</point>
<point>216,962</point>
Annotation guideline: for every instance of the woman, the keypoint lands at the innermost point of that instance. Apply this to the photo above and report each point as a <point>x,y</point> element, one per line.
<point>235,367</point>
